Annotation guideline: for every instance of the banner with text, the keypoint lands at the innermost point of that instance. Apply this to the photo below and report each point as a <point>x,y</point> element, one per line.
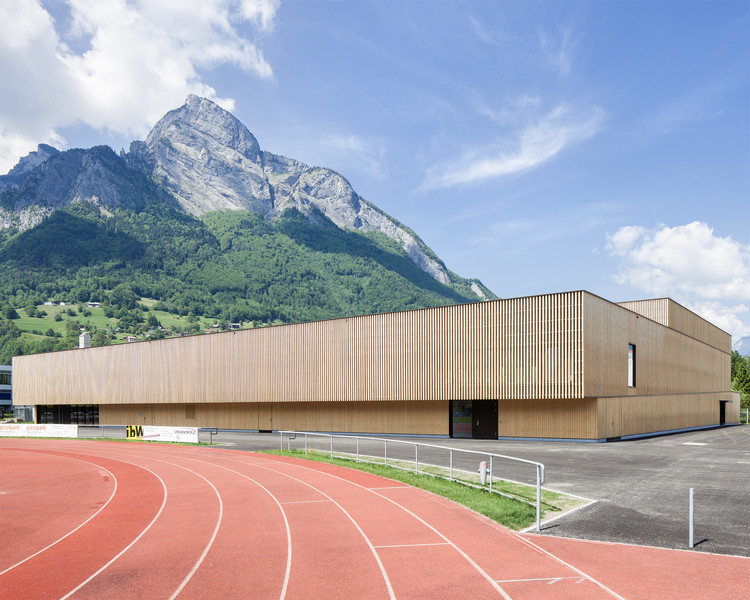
<point>38,430</point>
<point>154,433</point>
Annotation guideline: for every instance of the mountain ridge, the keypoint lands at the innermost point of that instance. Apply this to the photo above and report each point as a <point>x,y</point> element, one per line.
<point>206,160</point>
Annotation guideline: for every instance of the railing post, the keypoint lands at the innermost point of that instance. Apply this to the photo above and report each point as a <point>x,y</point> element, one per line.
<point>450,472</point>
<point>385,452</point>
<point>490,472</point>
<point>357,448</point>
<point>690,519</point>
<point>281,441</point>
<point>305,443</point>
<point>416,458</point>
<point>331,446</point>
<point>538,499</point>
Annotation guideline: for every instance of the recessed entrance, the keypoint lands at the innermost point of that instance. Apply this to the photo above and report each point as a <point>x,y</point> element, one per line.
<point>474,419</point>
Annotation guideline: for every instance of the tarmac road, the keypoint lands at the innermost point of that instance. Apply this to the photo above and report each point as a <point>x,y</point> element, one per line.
<point>641,486</point>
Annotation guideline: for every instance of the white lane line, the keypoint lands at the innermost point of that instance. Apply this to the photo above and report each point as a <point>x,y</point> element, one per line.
<point>210,543</point>
<point>414,545</point>
<point>131,544</point>
<point>72,531</point>
<point>288,570</point>
<point>479,569</point>
<point>305,501</point>
<point>283,513</point>
<point>562,562</point>
<point>549,580</point>
<point>388,585</point>
<point>531,528</point>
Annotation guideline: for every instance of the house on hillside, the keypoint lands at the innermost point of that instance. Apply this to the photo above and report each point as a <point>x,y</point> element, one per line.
<point>567,366</point>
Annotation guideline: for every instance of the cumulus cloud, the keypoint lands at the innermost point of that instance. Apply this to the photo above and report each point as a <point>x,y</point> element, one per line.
<point>709,273</point>
<point>116,66</point>
<point>529,147</point>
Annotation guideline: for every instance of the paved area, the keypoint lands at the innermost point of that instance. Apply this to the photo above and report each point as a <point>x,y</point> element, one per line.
<point>641,486</point>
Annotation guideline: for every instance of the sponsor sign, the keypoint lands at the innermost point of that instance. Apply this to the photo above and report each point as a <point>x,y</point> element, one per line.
<point>153,433</point>
<point>38,430</point>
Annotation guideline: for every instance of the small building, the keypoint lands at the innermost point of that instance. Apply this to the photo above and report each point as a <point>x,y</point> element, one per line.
<point>84,340</point>
<point>6,389</point>
<point>560,366</point>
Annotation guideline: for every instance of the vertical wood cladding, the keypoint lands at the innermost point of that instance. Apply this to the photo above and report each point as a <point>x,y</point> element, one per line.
<point>370,417</point>
<point>667,361</point>
<point>677,317</point>
<point>515,349</point>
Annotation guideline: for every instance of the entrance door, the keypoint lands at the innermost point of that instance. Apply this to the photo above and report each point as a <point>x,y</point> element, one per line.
<point>484,419</point>
<point>722,412</point>
<point>474,419</point>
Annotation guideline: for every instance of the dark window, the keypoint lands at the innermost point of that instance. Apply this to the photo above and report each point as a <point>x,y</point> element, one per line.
<point>631,365</point>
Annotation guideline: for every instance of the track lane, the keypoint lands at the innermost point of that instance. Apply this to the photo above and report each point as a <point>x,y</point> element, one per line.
<point>474,538</point>
<point>147,569</point>
<point>83,489</point>
<point>246,550</point>
<point>412,554</point>
<point>427,551</point>
<point>325,541</point>
<point>88,548</point>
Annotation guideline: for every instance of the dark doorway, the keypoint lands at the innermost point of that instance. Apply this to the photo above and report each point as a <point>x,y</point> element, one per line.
<point>476,419</point>
<point>722,412</point>
<point>484,419</point>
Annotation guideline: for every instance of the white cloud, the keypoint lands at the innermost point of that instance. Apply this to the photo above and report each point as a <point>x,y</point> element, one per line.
<point>531,146</point>
<point>118,65</point>
<point>708,273</point>
<point>558,51</point>
<point>365,155</point>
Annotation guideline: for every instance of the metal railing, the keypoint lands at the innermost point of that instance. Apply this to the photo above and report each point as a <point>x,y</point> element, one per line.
<point>405,455</point>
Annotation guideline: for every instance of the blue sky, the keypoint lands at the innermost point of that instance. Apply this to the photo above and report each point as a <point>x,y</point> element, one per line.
<point>537,146</point>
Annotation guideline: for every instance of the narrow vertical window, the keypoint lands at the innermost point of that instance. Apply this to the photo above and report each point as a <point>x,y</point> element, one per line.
<point>631,365</point>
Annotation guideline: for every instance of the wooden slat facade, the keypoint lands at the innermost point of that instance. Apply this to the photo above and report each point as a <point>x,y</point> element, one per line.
<point>557,365</point>
<point>667,312</point>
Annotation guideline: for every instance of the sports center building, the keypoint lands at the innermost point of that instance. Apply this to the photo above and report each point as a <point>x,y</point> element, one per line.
<point>559,366</point>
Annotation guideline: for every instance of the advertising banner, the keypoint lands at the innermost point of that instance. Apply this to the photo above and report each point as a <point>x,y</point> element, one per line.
<point>153,433</point>
<point>38,430</point>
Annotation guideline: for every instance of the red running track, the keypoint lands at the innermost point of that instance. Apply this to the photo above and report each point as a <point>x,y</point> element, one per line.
<point>106,519</point>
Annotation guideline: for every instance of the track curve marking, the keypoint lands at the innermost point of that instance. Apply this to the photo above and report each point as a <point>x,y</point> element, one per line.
<point>187,523</point>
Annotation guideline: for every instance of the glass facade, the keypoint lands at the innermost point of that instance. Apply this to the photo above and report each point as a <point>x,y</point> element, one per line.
<point>68,414</point>
<point>461,419</point>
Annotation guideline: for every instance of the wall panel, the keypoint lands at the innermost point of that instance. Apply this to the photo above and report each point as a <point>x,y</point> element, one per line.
<point>426,418</point>
<point>517,348</point>
<point>574,418</point>
<point>667,361</point>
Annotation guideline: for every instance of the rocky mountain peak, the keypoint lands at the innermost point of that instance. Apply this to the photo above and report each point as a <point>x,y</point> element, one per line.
<point>207,160</point>
<point>210,161</point>
<point>32,160</point>
<point>204,120</point>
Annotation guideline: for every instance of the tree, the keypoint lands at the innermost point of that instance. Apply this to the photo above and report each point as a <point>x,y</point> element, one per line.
<point>9,312</point>
<point>100,339</point>
<point>741,383</point>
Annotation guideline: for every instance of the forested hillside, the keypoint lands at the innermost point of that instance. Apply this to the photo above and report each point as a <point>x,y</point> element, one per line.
<point>194,229</point>
<point>228,267</point>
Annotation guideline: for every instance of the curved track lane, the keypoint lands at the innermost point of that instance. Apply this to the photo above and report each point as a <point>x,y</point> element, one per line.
<point>161,522</point>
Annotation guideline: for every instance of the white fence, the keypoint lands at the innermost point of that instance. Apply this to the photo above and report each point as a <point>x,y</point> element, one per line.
<point>427,459</point>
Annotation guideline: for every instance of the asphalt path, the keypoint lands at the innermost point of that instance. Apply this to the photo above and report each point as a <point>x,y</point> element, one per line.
<point>641,487</point>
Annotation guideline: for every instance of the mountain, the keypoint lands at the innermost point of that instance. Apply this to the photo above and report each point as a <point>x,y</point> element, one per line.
<point>201,219</point>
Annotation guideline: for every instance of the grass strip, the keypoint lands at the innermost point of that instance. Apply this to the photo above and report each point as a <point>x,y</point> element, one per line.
<point>509,512</point>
